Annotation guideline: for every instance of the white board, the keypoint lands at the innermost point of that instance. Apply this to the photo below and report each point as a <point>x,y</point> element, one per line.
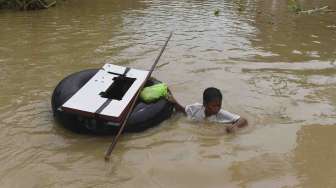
<point>88,100</point>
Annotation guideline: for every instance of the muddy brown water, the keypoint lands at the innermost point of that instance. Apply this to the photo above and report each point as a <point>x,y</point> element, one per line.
<point>274,67</point>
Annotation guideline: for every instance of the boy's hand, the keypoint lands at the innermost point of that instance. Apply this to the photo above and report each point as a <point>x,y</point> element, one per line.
<point>231,128</point>
<point>242,122</point>
<point>176,105</point>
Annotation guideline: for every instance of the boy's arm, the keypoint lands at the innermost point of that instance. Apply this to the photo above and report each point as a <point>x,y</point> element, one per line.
<point>178,107</point>
<point>242,122</point>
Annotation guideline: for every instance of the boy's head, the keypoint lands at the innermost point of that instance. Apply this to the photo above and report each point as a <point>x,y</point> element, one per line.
<point>212,101</point>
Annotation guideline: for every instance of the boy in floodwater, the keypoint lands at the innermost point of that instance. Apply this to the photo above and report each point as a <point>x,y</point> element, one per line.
<point>211,110</point>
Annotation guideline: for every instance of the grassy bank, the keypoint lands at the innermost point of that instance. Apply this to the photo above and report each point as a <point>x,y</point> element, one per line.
<point>27,4</point>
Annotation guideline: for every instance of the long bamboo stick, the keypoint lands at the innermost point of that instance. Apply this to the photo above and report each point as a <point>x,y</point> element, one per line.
<point>115,139</point>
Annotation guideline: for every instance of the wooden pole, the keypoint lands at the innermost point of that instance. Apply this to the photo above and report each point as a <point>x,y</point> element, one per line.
<point>115,139</point>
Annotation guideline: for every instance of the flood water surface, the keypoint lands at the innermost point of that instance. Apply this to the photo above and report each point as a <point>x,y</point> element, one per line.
<point>274,67</point>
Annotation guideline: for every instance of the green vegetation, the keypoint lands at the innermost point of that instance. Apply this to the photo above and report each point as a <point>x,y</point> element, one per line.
<point>294,6</point>
<point>216,13</point>
<point>26,4</point>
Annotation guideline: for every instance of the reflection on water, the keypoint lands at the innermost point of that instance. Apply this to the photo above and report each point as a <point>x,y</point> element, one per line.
<point>293,37</point>
<point>274,67</point>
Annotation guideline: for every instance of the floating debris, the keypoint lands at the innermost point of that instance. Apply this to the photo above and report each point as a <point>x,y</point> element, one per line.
<point>296,7</point>
<point>314,10</point>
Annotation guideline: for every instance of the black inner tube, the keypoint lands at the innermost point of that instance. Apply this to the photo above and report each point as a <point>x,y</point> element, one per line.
<point>142,117</point>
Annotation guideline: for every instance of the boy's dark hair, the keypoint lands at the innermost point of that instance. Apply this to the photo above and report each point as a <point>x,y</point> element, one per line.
<point>211,94</point>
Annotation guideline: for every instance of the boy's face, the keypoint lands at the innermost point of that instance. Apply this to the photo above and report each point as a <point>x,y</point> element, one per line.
<point>213,107</point>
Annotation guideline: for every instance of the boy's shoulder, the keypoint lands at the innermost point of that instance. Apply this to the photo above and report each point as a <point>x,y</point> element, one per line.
<point>197,104</point>
<point>195,111</point>
<point>193,107</point>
